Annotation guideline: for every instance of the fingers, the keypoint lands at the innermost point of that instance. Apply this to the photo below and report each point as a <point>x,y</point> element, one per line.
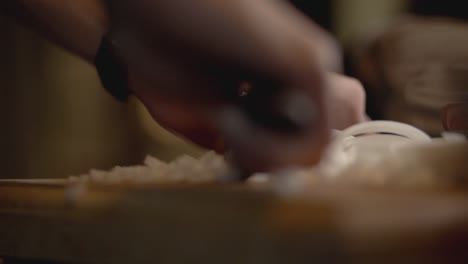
<point>264,35</point>
<point>264,39</point>
<point>189,124</point>
<point>255,149</point>
<point>455,117</point>
<point>183,118</point>
<point>345,101</point>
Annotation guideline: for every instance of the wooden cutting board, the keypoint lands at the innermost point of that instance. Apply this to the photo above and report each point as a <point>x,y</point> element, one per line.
<point>56,221</point>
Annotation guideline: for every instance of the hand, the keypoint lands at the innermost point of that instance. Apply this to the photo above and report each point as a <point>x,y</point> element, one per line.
<point>182,55</point>
<point>410,81</point>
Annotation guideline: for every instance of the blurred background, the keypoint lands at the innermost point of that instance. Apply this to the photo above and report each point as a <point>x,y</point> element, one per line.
<point>57,120</point>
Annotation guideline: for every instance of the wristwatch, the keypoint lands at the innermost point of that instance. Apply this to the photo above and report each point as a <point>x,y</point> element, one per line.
<point>113,75</point>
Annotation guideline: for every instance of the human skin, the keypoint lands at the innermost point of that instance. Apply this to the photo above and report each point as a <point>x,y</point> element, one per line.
<point>180,55</point>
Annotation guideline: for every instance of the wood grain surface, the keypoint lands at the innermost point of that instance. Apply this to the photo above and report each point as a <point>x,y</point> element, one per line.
<point>66,223</point>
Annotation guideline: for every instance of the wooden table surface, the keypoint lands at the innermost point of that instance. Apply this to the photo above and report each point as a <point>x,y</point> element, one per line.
<point>56,221</point>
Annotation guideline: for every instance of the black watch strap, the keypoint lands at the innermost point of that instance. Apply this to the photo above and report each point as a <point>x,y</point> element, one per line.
<point>113,75</point>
